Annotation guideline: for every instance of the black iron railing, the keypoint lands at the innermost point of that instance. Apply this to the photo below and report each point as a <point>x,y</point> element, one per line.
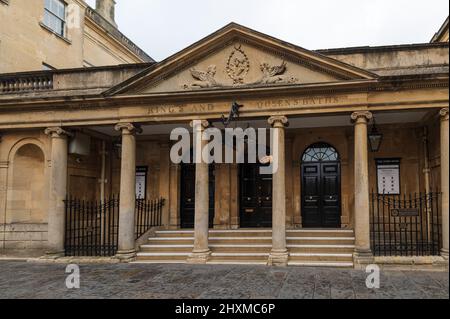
<point>148,215</point>
<point>407,225</point>
<point>92,227</point>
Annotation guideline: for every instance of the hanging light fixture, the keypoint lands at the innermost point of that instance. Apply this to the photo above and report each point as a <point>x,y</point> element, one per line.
<point>375,138</point>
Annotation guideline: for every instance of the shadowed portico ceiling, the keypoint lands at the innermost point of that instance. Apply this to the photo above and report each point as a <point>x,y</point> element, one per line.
<point>238,57</point>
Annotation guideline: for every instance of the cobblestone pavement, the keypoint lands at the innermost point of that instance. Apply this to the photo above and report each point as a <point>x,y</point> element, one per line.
<point>145,281</point>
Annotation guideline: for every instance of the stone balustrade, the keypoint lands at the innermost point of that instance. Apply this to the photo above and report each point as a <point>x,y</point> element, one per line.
<point>25,83</point>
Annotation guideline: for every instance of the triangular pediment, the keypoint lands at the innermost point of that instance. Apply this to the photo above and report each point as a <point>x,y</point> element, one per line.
<point>236,56</point>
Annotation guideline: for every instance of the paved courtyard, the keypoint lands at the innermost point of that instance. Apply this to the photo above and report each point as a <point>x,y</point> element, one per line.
<point>144,281</point>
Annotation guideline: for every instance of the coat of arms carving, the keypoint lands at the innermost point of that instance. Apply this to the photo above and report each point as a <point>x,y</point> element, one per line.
<point>238,65</point>
<point>237,68</point>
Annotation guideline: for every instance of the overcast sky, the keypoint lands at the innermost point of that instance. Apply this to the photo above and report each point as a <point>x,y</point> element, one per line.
<point>163,27</point>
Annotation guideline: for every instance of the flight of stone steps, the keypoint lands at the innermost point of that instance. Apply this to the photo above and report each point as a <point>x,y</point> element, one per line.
<point>320,248</point>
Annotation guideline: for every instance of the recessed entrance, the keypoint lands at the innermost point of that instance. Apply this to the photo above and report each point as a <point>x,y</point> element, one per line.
<point>255,197</point>
<point>187,198</point>
<point>321,187</point>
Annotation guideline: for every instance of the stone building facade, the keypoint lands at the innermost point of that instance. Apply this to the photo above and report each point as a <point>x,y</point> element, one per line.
<point>70,33</point>
<point>322,103</point>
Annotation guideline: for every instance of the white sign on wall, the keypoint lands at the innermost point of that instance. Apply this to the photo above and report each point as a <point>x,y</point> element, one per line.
<point>388,176</point>
<point>141,182</point>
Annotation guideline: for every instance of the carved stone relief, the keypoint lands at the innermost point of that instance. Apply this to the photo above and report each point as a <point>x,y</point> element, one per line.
<point>237,67</point>
<point>204,79</point>
<point>275,74</point>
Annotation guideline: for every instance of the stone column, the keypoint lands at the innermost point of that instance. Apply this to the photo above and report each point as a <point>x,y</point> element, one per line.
<point>363,253</point>
<point>444,180</point>
<point>164,182</point>
<point>126,251</point>
<point>201,252</point>
<point>279,255</point>
<point>58,190</point>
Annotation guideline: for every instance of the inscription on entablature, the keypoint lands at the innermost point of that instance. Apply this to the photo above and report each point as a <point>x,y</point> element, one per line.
<point>304,101</point>
<point>263,104</point>
<point>173,109</point>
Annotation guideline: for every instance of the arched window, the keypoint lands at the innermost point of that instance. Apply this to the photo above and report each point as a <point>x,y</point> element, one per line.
<point>320,152</point>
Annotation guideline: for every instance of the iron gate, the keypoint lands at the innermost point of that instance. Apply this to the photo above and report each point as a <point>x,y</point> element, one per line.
<point>92,227</point>
<point>408,225</point>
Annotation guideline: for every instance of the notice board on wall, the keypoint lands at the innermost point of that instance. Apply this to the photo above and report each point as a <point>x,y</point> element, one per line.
<point>388,176</point>
<point>141,182</point>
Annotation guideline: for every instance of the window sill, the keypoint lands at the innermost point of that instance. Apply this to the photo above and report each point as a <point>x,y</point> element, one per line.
<point>53,32</point>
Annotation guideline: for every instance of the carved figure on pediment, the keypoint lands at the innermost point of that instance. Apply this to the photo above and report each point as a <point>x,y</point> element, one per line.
<point>205,79</point>
<point>238,65</point>
<point>275,74</point>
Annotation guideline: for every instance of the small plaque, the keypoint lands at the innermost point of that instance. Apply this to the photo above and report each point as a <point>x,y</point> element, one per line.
<point>405,212</point>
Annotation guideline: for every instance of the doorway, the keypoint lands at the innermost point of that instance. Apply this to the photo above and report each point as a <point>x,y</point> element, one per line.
<point>255,197</point>
<point>187,198</point>
<point>321,187</point>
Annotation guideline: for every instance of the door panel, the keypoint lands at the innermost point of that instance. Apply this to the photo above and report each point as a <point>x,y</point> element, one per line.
<point>321,195</point>
<point>255,197</point>
<point>311,195</point>
<point>187,196</point>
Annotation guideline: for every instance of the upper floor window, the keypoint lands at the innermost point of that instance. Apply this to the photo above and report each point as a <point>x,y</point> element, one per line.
<point>55,16</point>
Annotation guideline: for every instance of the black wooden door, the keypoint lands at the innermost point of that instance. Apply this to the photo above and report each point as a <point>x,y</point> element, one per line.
<point>255,197</point>
<point>321,202</point>
<point>187,196</point>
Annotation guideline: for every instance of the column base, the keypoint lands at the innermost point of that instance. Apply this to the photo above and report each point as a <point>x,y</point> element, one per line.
<point>126,256</point>
<point>278,258</point>
<point>363,258</point>
<point>444,254</point>
<point>199,257</point>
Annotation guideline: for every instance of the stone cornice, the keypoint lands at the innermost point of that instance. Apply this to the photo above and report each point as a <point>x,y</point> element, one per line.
<point>81,101</point>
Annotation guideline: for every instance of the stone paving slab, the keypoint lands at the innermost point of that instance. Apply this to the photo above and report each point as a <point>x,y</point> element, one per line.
<point>20,280</point>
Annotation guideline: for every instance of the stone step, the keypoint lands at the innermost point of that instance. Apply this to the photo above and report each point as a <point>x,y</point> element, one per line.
<point>320,257</point>
<point>338,249</point>
<point>314,248</point>
<point>260,233</point>
<point>332,264</point>
<point>163,257</point>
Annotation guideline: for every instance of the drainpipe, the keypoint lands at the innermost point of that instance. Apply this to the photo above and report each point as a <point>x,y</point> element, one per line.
<point>426,172</point>
<point>103,173</point>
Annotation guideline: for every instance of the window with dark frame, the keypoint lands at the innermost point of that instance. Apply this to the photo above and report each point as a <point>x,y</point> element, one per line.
<point>55,16</point>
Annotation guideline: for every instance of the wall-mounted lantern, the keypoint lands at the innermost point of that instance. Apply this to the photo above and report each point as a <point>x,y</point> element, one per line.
<point>375,138</point>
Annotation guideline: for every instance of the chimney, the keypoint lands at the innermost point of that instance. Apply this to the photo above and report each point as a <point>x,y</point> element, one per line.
<point>106,9</point>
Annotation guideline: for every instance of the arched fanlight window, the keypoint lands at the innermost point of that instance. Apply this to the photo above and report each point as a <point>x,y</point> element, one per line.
<point>320,152</point>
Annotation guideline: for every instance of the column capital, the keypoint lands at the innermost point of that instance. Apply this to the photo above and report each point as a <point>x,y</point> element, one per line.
<point>200,124</point>
<point>128,128</point>
<point>57,132</point>
<point>444,114</point>
<point>278,121</point>
<point>364,115</point>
